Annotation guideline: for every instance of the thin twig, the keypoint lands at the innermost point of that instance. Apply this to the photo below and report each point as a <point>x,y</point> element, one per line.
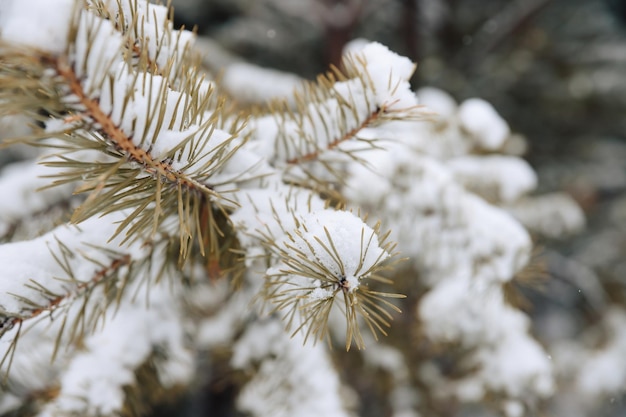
<point>115,134</point>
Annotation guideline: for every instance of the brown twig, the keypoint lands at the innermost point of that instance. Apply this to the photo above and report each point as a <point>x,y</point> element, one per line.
<point>113,132</point>
<point>121,140</point>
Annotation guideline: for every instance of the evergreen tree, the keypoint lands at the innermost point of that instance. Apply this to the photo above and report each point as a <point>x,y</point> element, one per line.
<point>160,224</point>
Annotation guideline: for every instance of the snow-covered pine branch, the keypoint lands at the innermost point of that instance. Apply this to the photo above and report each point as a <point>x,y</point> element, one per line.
<point>339,117</point>
<point>130,97</point>
<point>328,255</point>
<point>129,121</point>
<point>157,198</point>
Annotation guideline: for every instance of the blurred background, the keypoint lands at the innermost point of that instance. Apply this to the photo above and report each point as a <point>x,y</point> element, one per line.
<point>554,69</point>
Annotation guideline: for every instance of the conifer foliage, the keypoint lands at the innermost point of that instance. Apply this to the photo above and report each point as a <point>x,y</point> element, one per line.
<point>154,224</point>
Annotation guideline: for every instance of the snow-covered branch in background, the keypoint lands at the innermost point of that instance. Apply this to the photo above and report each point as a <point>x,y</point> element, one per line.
<point>287,378</point>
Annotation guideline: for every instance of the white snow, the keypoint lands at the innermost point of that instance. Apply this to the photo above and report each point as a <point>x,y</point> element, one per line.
<point>553,215</point>
<point>481,120</point>
<point>438,101</point>
<point>339,241</point>
<point>270,212</point>
<point>19,185</point>
<point>97,50</point>
<point>253,84</point>
<point>597,370</point>
<point>41,24</point>
<point>293,380</point>
<point>389,74</point>
<point>425,185</point>
<point>464,248</point>
<point>93,380</point>
<point>498,178</point>
<point>33,261</point>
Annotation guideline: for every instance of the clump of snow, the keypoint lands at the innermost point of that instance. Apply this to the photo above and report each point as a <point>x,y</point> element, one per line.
<point>31,369</point>
<point>41,24</point>
<point>447,228</point>
<point>97,50</point>
<point>326,257</point>
<point>340,241</point>
<point>439,101</point>
<point>337,244</point>
<point>389,73</point>
<point>268,212</point>
<point>552,215</point>
<point>221,329</point>
<point>165,46</point>
<point>498,178</point>
<point>597,372</point>
<point>252,84</point>
<point>335,122</point>
<point>113,346</point>
<point>144,106</point>
<point>93,380</point>
<point>324,122</point>
<point>38,260</point>
<point>19,186</point>
<point>292,380</point>
<point>481,120</point>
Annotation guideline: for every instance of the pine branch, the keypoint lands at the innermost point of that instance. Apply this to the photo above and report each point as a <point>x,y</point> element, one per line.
<point>120,140</point>
<point>368,121</point>
<point>335,120</point>
<point>134,128</point>
<point>58,301</point>
<point>157,169</point>
<point>315,268</point>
